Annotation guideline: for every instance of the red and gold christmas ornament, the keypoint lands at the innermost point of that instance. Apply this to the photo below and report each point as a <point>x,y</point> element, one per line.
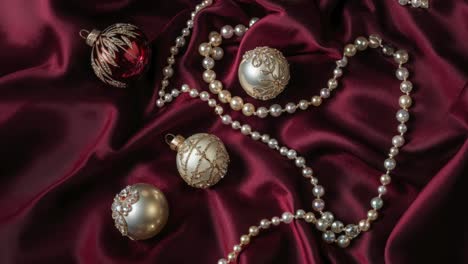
<point>120,53</point>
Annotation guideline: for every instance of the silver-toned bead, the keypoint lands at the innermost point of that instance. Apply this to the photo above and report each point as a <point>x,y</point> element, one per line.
<point>382,190</point>
<point>394,151</point>
<point>208,63</point>
<point>398,141</point>
<point>275,110</point>
<point>180,42</point>
<point>185,32</point>
<point>265,138</point>
<point>168,97</point>
<point>325,93</point>
<point>283,151</point>
<point>318,204</point>
<point>402,115</point>
<point>190,23</point>
<point>342,62</point>
<point>389,164</point>
<point>352,231</point>
<point>328,237</point>
<point>337,72</point>
<point>292,154</point>
<point>376,203</point>
<point>388,50</point>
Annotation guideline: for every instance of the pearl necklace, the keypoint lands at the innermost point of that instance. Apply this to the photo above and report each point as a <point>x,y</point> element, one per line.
<point>334,231</point>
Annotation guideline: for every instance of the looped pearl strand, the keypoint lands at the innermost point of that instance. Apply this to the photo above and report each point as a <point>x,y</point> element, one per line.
<point>333,230</point>
<point>180,42</point>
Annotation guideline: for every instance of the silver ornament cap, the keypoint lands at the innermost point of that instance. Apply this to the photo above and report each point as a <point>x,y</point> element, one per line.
<point>140,211</point>
<point>202,159</point>
<point>263,73</point>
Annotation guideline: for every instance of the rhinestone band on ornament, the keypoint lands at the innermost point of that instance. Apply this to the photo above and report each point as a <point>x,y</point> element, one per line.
<point>334,231</point>
<point>122,205</point>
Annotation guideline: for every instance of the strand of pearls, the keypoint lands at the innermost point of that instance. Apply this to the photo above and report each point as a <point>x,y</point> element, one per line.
<point>415,3</point>
<point>180,42</point>
<point>334,231</point>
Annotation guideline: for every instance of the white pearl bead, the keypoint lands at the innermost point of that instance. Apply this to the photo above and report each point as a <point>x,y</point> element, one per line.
<point>253,21</point>
<point>322,225</point>
<point>218,110</point>
<point>209,76</point>
<point>328,217</point>
<point>180,42</point>
<point>398,141</point>
<point>160,103</point>
<point>309,217</point>
<point>174,50</point>
<point>318,191</point>
<point>185,32</point>
<point>290,108</point>
<point>211,102</point>
<point>389,164</point>
<point>235,125</point>
<point>337,226</point>
<point>405,101</point>
<point>231,257</point>
<point>168,71</point>
<point>291,154</point>
<point>190,23</point>
<point>185,88</point>
<point>265,223</point>
<point>215,39</point>
<point>248,109</point>
<point>394,151</point>
<point>401,56</point>
<point>325,93</point>
<point>226,119</point>
<point>300,213</point>
<point>372,215</point>
<point>287,217</point>
<point>208,63</point>
<point>318,204</point>
<point>307,172</point>
<point>168,97</point>
<point>224,96</point>
<point>332,84</point>
<point>171,60</point>
<point>239,30</point>
<point>376,203</point>
<point>265,138</point>
<point>246,129</point>
<point>283,151</point>
<point>193,93</point>
<point>350,50</point>
<point>236,103</point>
<point>275,221</point>
<point>208,2</point>
<point>316,101</point>
<point>374,41</point>
<point>227,32</point>
<point>253,231</point>
<point>343,241</point>
<point>361,43</point>
<point>162,93</point>
<point>364,225</point>
<point>273,143</point>
<point>222,261</point>
<point>382,190</point>
<point>402,128</point>
<point>300,161</point>
<point>204,49</point>
<point>338,72</point>
<point>215,86</point>
<point>217,53</point>
<point>313,180</point>
<point>328,237</point>
<point>303,104</point>
<point>255,135</point>
<point>204,96</point>
<point>385,179</point>
<point>275,110</point>
<point>342,62</point>
<point>237,248</point>
<point>402,115</point>
<point>262,112</point>
<point>406,86</point>
<point>402,73</point>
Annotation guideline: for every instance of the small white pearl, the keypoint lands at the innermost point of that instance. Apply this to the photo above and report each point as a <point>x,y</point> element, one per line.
<point>273,143</point>
<point>325,93</point>
<point>265,223</point>
<point>262,112</point>
<point>338,72</point>
<point>239,30</point>
<point>283,151</point>
<point>215,38</point>
<point>168,71</point>
<point>376,203</point>
<point>385,179</point>
<point>235,125</point>
<point>402,128</point>
<point>190,23</point>
<point>217,53</point>
<point>253,231</point>
<point>405,101</point>
<point>246,129</point>
<point>215,86</point>
<point>290,108</point>
<point>322,225</point>
<point>168,97</point>
<point>337,226</point>
<point>318,191</point>
<point>175,93</point>
<point>316,101</point>
<point>343,241</point>
<point>382,190</point>
<point>291,154</point>
<point>211,102</point>
<point>208,63</point>
<point>185,88</point>
<point>237,248</point>
<point>255,135</point>
<point>160,103</point>
<point>350,50</point>
<point>209,76</point>
<point>287,217</point>
<point>275,110</point>
<point>180,42</point>
<point>171,60</point>
<point>300,213</point>
<point>406,86</point>
<point>253,21</point>
<point>342,62</point>
<point>372,215</point>
<point>374,41</point>
<point>398,141</point>
<point>401,56</point>
<point>248,109</point>
<point>226,119</point>
<point>303,104</point>
<point>364,225</point>
<point>318,204</point>
<point>394,151</point>
<point>204,49</point>
<point>236,103</point>
<point>227,32</point>
<point>193,93</point>
<point>361,43</point>
<point>174,50</point>
<point>389,164</point>
<point>402,115</point>
<point>265,138</point>
<point>204,96</point>
<point>332,84</point>
<point>275,221</point>
<point>185,32</point>
<point>162,93</point>
<point>231,257</point>
<point>307,172</point>
<point>309,217</point>
<point>245,240</point>
<point>222,261</point>
<point>328,217</point>
<point>300,162</point>
<point>313,181</point>
<point>402,73</point>
<point>218,110</point>
<point>328,237</point>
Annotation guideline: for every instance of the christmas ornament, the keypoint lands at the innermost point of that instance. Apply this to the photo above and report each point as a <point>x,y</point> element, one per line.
<point>202,159</point>
<point>140,211</point>
<point>120,53</point>
<point>263,73</point>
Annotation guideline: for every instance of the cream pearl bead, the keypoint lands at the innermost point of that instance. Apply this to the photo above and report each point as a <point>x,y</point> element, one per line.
<point>208,63</point>
<point>227,32</point>
<point>248,109</point>
<point>236,103</point>
<point>204,49</point>
<point>406,86</point>
<point>401,56</point>
<point>361,43</point>
<point>405,101</point>
<point>224,96</point>
<point>215,39</point>
<point>245,239</point>
<point>343,241</point>
<point>402,73</point>
<point>209,76</point>
<point>350,50</point>
<point>215,86</point>
<point>374,41</point>
<point>372,215</point>
<point>316,101</point>
<point>309,217</point>
<point>217,53</point>
<point>239,30</point>
<point>364,225</point>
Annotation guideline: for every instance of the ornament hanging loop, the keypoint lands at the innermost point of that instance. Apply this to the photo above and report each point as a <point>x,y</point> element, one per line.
<point>173,141</point>
<point>84,34</point>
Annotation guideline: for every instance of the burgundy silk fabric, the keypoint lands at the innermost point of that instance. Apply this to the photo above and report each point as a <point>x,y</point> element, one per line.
<point>69,143</point>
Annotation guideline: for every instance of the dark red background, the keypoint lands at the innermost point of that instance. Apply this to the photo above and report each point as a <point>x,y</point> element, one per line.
<point>68,143</point>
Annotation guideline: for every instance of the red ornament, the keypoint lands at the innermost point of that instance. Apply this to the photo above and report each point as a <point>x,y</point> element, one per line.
<point>120,53</point>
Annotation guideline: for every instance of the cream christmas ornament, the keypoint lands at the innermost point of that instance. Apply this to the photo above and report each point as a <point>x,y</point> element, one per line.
<point>202,159</point>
